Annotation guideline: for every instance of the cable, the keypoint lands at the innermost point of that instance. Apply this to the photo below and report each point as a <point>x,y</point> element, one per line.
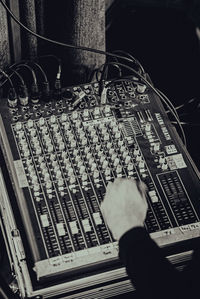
<point>19,76</point>
<point>60,43</point>
<point>41,70</point>
<point>28,67</point>
<point>8,78</point>
<point>131,57</point>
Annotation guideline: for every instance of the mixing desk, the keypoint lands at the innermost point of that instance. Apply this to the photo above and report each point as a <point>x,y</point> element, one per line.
<point>62,154</point>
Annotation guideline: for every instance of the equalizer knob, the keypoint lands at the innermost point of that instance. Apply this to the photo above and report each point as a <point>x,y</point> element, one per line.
<point>138,158</point>
<point>116,162</point>
<point>48,185</point>
<point>84,177</point>
<point>107,109</point>
<point>96,174</point>
<point>95,139</point>
<point>105,164</point>
<point>156,147</point>
<point>107,171</point>
<point>93,166</point>
<point>141,164</point>
<point>61,146</point>
<point>130,166</point>
<point>72,179</point>
<point>117,135</point>
<point>82,169</point>
<point>41,121</point>
<point>106,137</point>
<point>53,119</point>
<point>30,123</point>
<point>136,152</point>
<point>84,141</point>
<point>63,117</point>
<point>74,115</point>
<point>161,160</point>
<point>127,159</point>
<point>119,169</point>
<point>85,113</point>
<point>96,111</point>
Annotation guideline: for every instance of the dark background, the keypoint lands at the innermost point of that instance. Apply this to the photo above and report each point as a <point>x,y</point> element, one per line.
<point>164,40</point>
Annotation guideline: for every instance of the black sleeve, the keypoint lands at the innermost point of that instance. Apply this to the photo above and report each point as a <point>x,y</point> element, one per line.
<point>150,272</point>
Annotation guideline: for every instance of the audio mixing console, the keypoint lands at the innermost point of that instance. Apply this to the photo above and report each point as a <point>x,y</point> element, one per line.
<point>62,154</point>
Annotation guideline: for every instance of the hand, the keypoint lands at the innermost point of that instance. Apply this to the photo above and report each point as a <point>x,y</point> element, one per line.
<point>124,206</point>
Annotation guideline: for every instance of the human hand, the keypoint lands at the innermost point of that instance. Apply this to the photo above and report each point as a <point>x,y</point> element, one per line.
<point>124,206</point>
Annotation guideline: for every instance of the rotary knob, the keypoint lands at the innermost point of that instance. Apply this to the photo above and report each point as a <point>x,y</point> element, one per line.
<point>52,119</point>
<point>119,169</point>
<point>61,146</point>
<point>106,137</point>
<point>84,177</point>
<point>74,115</point>
<point>107,171</point>
<point>105,164</point>
<point>41,121</point>
<point>72,179</point>
<point>127,159</point>
<point>96,174</point>
<point>63,117</point>
<point>116,162</point>
<point>130,166</point>
<point>85,113</point>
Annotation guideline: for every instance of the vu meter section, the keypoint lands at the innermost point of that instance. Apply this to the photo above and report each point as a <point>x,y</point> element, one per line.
<point>65,159</point>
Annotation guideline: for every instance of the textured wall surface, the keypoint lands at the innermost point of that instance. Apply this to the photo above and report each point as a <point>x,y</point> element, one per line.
<point>86,27</point>
<point>4,41</point>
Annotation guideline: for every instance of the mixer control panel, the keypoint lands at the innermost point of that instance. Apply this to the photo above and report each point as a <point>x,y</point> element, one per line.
<point>61,156</point>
